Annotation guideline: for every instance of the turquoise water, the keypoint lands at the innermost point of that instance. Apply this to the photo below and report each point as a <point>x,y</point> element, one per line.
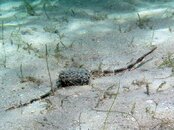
<point>11,10</point>
<point>80,19</point>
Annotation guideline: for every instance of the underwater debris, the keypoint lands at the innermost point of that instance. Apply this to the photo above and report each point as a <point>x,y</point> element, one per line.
<point>120,5</point>
<point>110,108</point>
<point>48,69</point>
<point>168,61</point>
<point>24,79</point>
<point>147,89</point>
<point>77,13</point>
<point>50,29</point>
<point>3,45</point>
<point>2,32</point>
<point>160,87</point>
<point>29,8</point>
<point>45,11</point>
<point>73,76</point>
<point>31,79</point>
<point>28,47</point>
<point>142,22</point>
<point>99,17</point>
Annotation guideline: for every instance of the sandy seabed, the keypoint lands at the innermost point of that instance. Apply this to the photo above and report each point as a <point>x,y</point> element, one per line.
<point>95,38</point>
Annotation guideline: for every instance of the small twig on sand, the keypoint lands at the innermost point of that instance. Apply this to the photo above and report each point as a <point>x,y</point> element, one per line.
<point>64,99</point>
<point>110,108</point>
<point>80,128</point>
<point>133,108</point>
<point>147,89</point>
<point>105,94</point>
<point>123,113</point>
<point>45,11</point>
<point>2,32</point>
<point>3,45</point>
<point>45,122</point>
<point>46,55</point>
